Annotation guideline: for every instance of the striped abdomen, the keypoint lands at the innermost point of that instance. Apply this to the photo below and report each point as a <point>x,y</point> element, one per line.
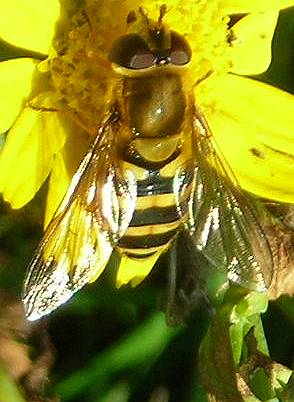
<point>155,221</point>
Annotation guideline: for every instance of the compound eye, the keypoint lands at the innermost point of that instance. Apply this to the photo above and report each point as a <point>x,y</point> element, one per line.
<point>180,51</point>
<point>131,51</point>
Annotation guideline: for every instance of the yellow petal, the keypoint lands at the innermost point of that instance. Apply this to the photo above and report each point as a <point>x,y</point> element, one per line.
<point>250,6</point>
<point>65,163</point>
<point>28,153</point>
<point>29,24</point>
<point>252,124</point>
<point>58,184</point>
<point>15,83</point>
<point>134,270</point>
<point>251,50</point>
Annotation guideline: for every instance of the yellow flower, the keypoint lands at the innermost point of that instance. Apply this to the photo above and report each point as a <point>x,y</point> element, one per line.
<point>52,94</point>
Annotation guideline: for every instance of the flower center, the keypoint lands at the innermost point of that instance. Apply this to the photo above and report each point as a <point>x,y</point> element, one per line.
<point>84,86</point>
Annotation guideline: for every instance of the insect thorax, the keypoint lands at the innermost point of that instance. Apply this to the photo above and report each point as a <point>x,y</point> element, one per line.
<point>155,104</point>
<point>154,109</point>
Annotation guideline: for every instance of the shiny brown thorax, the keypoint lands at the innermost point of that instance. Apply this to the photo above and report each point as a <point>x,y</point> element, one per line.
<point>155,107</point>
<point>155,103</point>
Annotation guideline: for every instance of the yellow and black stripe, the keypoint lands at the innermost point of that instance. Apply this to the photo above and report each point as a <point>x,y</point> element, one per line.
<point>156,220</point>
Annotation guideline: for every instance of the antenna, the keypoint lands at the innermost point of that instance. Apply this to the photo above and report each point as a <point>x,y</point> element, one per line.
<point>144,15</point>
<point>162,12</point>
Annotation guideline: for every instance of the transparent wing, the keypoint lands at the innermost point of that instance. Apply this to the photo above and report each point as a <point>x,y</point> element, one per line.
<point>77,244</point>
<point>222,220</point>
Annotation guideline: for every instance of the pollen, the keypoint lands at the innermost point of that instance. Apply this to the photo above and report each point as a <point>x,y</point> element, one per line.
<point>81,83</point>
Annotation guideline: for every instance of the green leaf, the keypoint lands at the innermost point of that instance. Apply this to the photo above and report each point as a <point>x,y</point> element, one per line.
<point>9,391</point>
<point>288,394</point>
<point>224,346</point>
<point>234,360</point>
<point>141,345</point>
<point>118,393</point>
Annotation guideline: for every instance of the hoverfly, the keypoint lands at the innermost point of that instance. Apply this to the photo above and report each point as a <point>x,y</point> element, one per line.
<point>152,171</point>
